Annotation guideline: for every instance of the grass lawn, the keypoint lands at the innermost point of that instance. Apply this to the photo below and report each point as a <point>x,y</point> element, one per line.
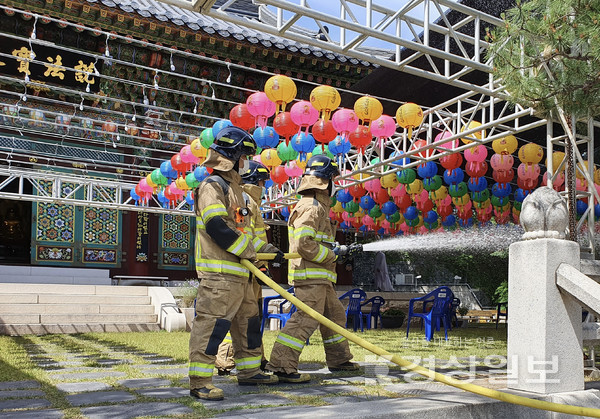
<point>478,341</point>
<point>16,361</point>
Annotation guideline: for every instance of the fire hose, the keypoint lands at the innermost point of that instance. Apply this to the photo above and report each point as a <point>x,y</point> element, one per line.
<point>404,363</point>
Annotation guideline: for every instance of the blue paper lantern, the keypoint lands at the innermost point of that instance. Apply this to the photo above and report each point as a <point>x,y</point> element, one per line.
<point>189,198</point>
<point>201,173</point>
<point>344,196</point>
<point>430,217</point>
<point>501,190</point>
<point>219,125</point>
<point>366,202</point>
<point>266,137</point>
<point>477,184</point>
<point>166,169</point>
<point>389,208</point>
<point>303,144</point>
<point>449,221</point>
<point>427,170</point>
<point>521,194</point>
<point>411,213</point>
<point>339,146</point>
<point>454,176</point>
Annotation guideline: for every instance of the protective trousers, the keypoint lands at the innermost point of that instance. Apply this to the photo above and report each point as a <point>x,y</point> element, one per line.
<point>225,357</point>
<point>224,305</point>
<point>292,338</point>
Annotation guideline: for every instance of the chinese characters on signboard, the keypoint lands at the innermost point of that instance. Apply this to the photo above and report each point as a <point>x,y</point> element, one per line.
<point>141,237</point>
<point>45,64</point>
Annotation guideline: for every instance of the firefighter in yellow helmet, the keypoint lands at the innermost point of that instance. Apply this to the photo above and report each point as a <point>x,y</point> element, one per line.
<point>310,233</point>
<point>253,181</point>
<point>226,299</point>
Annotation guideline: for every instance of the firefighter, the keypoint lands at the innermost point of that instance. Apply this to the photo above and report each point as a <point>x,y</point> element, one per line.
<point>253,185</point>
<point>311,232</point>
<point>225,300</point>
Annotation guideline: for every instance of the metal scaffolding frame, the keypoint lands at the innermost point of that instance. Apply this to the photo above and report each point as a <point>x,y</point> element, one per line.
<point>425,43</point>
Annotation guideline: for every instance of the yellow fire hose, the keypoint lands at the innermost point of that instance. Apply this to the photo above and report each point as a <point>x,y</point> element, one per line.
<point>494,394</point>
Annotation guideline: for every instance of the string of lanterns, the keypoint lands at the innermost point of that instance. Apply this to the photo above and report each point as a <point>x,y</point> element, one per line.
<point>406,201</point>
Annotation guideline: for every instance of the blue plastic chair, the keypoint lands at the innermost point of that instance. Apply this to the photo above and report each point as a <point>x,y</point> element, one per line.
<point>441,301</point>
<point>281,316</point>
<point>376,303</point>
<point>355,298</point>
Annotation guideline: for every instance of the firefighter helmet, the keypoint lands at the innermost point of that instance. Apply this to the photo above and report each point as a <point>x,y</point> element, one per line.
<point>322,166</point>
<point>233,143</point>
<point>255,173</point>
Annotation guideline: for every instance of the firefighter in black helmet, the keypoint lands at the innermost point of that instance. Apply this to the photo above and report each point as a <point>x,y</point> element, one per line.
<point>226,300</point>
<point>310,233</point>
<point>253,185</point>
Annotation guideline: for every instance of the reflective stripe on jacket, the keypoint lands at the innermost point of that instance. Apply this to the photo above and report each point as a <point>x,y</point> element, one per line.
<point>309,227</point>
<point>214,201</point>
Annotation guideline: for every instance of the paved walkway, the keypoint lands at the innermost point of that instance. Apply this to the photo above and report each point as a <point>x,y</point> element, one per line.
<point>123,382</point>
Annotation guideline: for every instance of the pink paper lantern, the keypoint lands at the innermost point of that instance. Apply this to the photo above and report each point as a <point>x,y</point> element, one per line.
<point>260,107</point>
<point>345,121</point>
<point>398,191</point>
<point>478,153</point>
<point>501,161</point>
<point>383,127</point>
<point>292,170</point>
<point>558,181</point>
<point>368,221</point>
<point>525,171</point>
<point>187,156</point>
<point>304,114</point>
<point>373,186</point>
<point>442,136</point>
<point>145,187</point>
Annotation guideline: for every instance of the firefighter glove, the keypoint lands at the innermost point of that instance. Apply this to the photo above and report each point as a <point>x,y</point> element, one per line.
<point>279,258</point>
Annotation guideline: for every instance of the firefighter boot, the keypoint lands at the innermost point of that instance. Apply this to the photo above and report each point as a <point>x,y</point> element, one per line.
<point>346,366</point>
<point>294,377</point>
<point>207,392</point>
<point>265,379</point>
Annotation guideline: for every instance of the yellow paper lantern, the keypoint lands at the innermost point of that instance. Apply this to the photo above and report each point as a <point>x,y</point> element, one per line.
<point>505,145</point>
<point>415,187</point>
<point>337,208</point>
<point>325,99</point>
<point>420,222</point>
<point>597,176</point>
<point>368,109</point>
<point>198,149</point>
<point>439,194</point>
<point>281,90</point>
<point>389,181</point>
<point>460,201</point>
<point>181,183</point>
<point>409,115</point>
<point>580,168</point>
<point>150,182</point>
<point>360,176</point>
<point>557,158</point>
<point>531,154</point>
<point>270,158</point>
<point>478,134</point>
<point>483,204</point>
<point>302,163</point>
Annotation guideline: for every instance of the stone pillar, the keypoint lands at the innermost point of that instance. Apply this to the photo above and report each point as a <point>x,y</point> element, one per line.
<point>545,353</point>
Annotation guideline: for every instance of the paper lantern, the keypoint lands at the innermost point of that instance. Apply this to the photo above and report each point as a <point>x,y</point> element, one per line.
<point>478,153</point>
<point>281,90</point>
<point>241,117</point>
<point>198,150</point>
<point>323,131</point>
<point>418,144</point>
<point>260,107</point>
<point>304,114</point>
<point>505,145</point>
<point>557,158</point>
<point>360,137</point>
<point>345,122</point>
<point>478,134</point>
<point>449,144</point>
<point>218,126</point>
<point>265,137</point>
<point>286,152</point>
<point>270,157</point>
<point>292,169</point>
<point>302,143</point>
<point>188,157</point>
<point>285,126</point>
<point>207,138</point>
<point>383,127</point>
<point>409,116</point>
<point>531,154</point>
<point>502,162</point>
<point>325,99</point>
<point>368,109</point>
<point>278,175</point>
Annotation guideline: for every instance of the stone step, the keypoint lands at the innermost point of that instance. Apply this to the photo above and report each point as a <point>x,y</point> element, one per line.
<point>71,289</point>
<point>93,299</point>
<point>97,318</point>
<point>31,318</point>
<point>75,309</point>
<point>42,329</point>
<point>591,268</point>
<point>18,298</point>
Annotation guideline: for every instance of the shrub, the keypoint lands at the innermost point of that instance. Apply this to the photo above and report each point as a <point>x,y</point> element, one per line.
<point>392,312</point>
